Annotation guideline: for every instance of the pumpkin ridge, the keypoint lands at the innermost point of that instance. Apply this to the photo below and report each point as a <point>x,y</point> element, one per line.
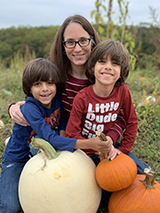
<point>136,198</point>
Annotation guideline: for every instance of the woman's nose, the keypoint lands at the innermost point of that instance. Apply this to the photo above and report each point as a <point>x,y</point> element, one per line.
<point>77,47</point>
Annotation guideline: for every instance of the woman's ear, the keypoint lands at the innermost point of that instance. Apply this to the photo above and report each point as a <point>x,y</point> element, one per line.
<point>92,44</point>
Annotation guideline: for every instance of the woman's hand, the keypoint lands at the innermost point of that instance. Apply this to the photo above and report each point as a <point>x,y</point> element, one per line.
<point>16,114</point>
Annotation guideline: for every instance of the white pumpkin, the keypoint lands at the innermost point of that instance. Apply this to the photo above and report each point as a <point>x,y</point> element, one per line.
<point>6,141</point>
<point>65,184</point>
<point>1,124</point>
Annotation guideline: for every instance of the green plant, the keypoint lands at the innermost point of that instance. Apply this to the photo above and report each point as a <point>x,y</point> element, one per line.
<point>149,58</point>
<point>108,29</point>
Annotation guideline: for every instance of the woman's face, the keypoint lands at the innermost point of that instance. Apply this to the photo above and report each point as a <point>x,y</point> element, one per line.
<point>77,55</point>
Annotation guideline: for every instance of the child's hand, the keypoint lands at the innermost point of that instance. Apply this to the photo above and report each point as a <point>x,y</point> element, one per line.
<point>101,155</point>
<point>98,145</point>
<point>113,153</point>
<point>103,147</point>
<point>109,139</point>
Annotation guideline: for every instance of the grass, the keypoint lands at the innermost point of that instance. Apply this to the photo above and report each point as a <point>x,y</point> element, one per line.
<point>142,83</point>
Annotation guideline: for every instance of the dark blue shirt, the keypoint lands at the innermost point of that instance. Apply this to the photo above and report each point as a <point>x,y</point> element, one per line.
<point>43,122</point>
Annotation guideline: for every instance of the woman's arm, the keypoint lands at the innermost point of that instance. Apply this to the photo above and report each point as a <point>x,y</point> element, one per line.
<point>16,115</point>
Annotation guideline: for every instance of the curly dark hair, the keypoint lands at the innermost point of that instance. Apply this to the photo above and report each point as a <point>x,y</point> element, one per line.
<point>116,51</point>
<point>40,70</point>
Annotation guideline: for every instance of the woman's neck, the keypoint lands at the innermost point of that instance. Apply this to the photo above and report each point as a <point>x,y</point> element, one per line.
<point>78,71</point>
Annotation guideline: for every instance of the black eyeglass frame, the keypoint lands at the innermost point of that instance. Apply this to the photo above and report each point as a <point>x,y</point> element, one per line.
<point>77,42</point>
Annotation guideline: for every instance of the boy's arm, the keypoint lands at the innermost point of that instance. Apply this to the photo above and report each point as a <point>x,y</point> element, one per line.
<point>34,114</point>
<point>117,129</point>
<point>63,118</point>
<point>131,128</point>
<point>95,144</point>
<point>63,143</point>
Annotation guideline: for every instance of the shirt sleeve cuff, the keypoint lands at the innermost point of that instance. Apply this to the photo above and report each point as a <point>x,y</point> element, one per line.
<point>9,109</point>
<point>114,135</point>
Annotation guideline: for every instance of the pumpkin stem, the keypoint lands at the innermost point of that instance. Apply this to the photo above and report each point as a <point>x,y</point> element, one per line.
<point>102,137</point>
<point>39,143</point>
<point>149,179</point>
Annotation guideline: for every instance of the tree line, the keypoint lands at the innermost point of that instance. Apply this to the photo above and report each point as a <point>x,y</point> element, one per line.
<point>39,40</point>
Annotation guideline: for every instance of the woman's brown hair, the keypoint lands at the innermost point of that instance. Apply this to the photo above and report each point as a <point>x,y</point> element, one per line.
<point>57,52</point>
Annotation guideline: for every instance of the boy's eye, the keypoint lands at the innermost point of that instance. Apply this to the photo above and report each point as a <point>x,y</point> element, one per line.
<point>101,61</point>
<point>36,84</point>
<point>50,82</point>
<point>115,62</point>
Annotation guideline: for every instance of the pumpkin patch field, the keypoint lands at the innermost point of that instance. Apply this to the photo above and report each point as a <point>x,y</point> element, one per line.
<point>144,86</point>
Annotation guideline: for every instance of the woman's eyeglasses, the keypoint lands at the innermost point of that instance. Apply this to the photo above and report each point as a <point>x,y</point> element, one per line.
<point>82,43</point>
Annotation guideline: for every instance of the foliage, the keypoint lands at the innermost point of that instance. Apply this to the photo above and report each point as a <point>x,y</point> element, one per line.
<point>150,46</point>
<point>141,41</point>
<point>36,39</point>
<point>107,29</point>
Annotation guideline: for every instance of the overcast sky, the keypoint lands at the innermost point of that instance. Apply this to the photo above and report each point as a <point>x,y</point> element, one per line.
<point>54,12</point>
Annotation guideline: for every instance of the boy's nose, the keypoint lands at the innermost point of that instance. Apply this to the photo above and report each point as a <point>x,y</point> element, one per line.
<point>44,87</point>
<point>108,66</point>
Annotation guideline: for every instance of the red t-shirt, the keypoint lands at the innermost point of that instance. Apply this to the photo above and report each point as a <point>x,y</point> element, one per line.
<point>92,113</point>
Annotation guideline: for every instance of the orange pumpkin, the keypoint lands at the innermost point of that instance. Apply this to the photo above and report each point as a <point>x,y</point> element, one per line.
<point>116,174</point>
<point>142,196</point>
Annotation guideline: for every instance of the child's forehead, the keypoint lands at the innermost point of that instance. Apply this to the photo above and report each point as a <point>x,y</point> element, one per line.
<point>107,56</point>
<point>43,78</point>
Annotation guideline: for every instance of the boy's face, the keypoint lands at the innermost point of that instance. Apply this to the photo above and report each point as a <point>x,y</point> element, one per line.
<point>107,72</point>
<point>44,92</point>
